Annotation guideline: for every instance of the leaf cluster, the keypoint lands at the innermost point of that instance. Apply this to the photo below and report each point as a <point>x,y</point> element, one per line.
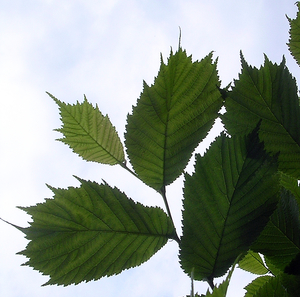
<point>240,205</point>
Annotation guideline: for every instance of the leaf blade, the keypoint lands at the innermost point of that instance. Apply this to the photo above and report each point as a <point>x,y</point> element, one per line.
<point>294,40</point>
<point>90,134</point>
<point>93,231</point>
<point>269,95</point>
<point>171,118</point>
<point>253,263</point>
<point>222,215</point>
<point>280,240</point>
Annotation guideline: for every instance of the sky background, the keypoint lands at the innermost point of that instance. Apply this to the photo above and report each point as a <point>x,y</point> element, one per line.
<point>105,49</point>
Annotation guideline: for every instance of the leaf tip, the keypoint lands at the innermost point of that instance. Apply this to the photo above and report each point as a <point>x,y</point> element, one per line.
<point>17,227</point>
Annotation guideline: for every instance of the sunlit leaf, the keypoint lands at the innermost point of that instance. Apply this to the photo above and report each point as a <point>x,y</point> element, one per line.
<point>227,203</point>
<point>93,231</point>
<point>253,263</point>
<point>266,286</point>
<point>269,95</point>
<point>219,291</point>
<point>172,117</point>
<point>90,134</point>
<point>294,41</point>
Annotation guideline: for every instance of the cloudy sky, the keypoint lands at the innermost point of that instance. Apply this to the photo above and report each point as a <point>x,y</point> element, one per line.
<point>105,49</point>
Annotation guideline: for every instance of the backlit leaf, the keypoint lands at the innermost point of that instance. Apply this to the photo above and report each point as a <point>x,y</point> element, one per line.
<point>221,289</point>
<point>268,94</point>
<point>280,240</point>
<point>266,286</point>
<point>294,41</point>
<point>90,134</point>
<point>253,263</point>
<point>291,184</point>
<point>172,117</point>
<point>291,283</point>
<point>227,203</point>
<point>93,231</point>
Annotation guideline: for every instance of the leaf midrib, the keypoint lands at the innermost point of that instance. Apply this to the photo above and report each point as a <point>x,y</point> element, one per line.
<point>277,120</point>
<point>88,134</point>
<point>227,216</point>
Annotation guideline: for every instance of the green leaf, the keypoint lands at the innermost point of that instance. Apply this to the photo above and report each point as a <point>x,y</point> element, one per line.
<point>291,184</point>
<point>294,41</point>
<point>221,290</point>
<point>272,268</point>
<point>280,240</point>
<point>266,286</point>
<point>90,134</point>
<point>255,285</point>
<point>294,266</point>
<point>253,263</point>
<point>291,283</point>
<point>269,95</point>
<point>227,203</point>
<point>93,231</point>
<point>172,117</point>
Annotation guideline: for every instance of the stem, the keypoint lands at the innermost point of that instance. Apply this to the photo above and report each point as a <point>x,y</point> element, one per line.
<point>192,283</point>
<point>128,169</point>
<point>163,194</point>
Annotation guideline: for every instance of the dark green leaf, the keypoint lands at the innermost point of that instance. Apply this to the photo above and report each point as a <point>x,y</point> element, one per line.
<point>280,240</point>
<point>227,203</point>
<point>272,268</point>
<point>90,134</point>
<point>294,266</point>
<point>221,289</point>
<point>294,41</point>
<point>268,94</point>
<point>291,283</point>
<point>93,231</point>
<point>253,263</point>
<point>255,285</point>
<point>269,287</point>
<point>172,117</point>
<point>291,184</point>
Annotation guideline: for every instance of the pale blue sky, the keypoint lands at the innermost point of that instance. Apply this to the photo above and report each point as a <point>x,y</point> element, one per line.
<point>105,49</point>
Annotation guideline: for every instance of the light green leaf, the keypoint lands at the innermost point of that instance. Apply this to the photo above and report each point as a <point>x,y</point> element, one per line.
<point>172,117</point>
<point>227,203</point>
<point>271,288</point>
<point>256,284</point>
<point>253,263</point>
<point>268,94</point>
<point>294,41</point>
<point>90,134</point>
<point>219,291</point>
<point>93,231</point>
<point>280,240</point>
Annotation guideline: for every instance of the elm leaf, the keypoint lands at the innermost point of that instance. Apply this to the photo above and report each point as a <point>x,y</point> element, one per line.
<point>90,134</point>
<point>86,233</point>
